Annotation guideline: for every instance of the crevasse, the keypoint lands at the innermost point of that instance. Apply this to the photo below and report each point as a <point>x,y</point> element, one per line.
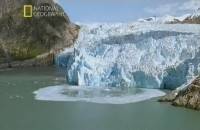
<point>133,55</point>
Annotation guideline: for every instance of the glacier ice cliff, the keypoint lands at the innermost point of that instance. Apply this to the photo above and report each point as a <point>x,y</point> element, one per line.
<point>135,54</point>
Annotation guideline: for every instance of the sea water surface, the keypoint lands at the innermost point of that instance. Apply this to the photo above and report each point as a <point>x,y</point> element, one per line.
<point>25,105</point>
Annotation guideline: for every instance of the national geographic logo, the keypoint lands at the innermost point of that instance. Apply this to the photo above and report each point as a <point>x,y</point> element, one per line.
<point>42,10</point>
<point>28,11</point>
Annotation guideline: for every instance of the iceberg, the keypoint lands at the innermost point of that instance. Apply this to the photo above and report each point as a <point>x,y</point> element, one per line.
<point>136,54</point>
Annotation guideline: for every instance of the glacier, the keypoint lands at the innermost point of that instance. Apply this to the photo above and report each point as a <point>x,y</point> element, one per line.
<point>147,55</point>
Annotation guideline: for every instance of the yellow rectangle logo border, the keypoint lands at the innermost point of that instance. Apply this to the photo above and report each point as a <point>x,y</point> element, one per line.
<point>31,11</point>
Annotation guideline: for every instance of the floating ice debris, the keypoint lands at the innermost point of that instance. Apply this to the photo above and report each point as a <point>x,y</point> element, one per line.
<point>96,95</point>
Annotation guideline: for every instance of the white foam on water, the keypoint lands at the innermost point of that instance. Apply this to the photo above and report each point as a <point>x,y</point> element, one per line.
<point>58,93</point>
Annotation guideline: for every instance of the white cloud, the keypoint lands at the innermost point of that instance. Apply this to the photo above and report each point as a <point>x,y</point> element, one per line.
<point>161,10</point>
<point>190,5</point>
<point>173,8</point>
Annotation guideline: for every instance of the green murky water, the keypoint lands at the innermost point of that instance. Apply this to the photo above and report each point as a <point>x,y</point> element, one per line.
<point>20,111</point>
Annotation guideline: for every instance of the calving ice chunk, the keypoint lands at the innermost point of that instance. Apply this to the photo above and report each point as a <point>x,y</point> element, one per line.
<point>136,55</point>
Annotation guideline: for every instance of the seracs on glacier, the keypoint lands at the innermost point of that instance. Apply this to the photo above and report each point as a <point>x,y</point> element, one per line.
<point>133,55</point>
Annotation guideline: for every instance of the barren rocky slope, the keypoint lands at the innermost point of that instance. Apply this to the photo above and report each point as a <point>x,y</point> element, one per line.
<point>188,97</point>
<point>22,39</point>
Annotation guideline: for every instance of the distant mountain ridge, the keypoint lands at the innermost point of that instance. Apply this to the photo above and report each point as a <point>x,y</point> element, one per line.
<point>193,18</point>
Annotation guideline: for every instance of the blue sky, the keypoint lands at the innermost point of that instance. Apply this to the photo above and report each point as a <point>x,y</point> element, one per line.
<point>124,10</point>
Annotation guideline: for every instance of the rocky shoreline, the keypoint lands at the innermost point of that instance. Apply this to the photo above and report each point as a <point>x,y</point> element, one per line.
<point>40,61</point>
<point>188,97</point>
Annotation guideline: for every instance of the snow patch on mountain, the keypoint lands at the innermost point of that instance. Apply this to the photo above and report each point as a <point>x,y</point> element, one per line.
<point>172,19</point>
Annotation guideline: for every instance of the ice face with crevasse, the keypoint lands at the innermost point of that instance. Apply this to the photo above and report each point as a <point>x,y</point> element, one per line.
<point>133,55</point>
